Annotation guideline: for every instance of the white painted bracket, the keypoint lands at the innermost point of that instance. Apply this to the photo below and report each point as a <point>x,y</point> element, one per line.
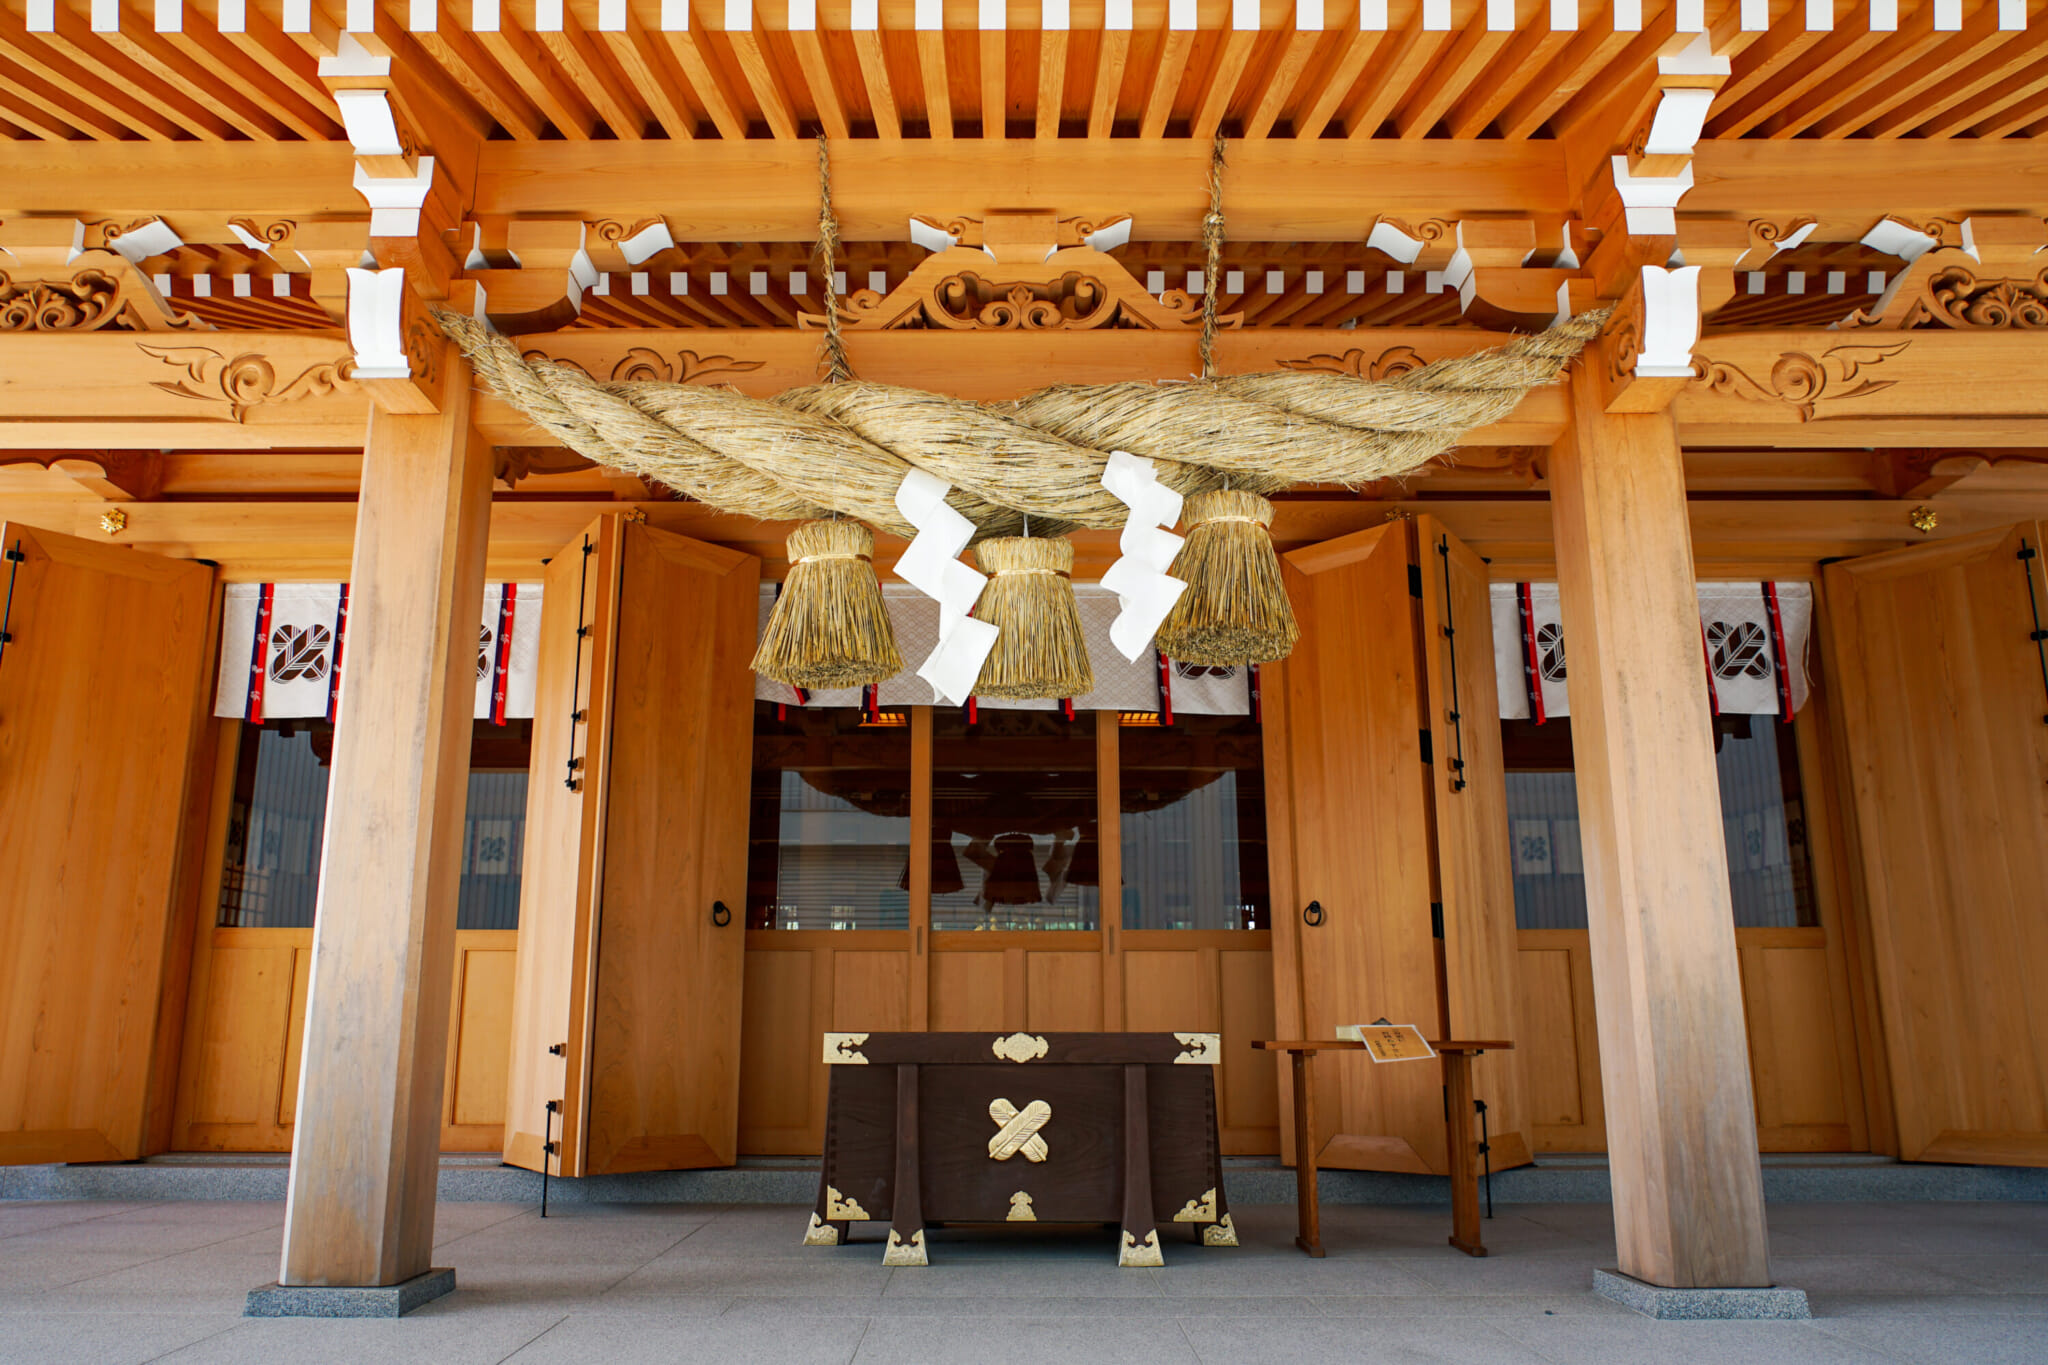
<point>647,242</point>
<point>376,327</point>
<point>1671,322</point>
<point>368,120</point>
<point>1650,202</point>
<point>395,202</point>
<point>1895,238</point>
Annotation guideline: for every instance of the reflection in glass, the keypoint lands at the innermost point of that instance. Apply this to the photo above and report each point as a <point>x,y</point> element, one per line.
<point>1193,804</point>
<point>270,870</point>
<point>829,837</point>
<point>1763,823</point>
<point>1014,838</point>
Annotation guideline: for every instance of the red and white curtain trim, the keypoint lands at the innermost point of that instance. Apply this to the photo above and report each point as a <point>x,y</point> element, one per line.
<point>1752,645</point>
<point>1147,684</point>
<point>284,651</point>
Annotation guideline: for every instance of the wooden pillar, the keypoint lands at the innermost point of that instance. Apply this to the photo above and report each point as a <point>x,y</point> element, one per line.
<point>366,1149</point>
<point>1681,1122</point>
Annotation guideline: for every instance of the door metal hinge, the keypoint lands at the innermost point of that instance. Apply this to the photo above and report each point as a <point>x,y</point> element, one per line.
<point>1415,580</point>
<point>1436,919</point>
<point>1428,748</point>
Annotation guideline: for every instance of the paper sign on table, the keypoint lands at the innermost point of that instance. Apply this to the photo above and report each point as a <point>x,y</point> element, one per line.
<point>1389,1042</point>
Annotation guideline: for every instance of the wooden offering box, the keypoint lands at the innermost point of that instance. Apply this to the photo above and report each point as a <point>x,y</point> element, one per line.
<point>1022,1128</point>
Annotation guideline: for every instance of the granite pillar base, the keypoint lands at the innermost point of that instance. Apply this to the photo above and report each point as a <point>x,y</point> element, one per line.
<point>349,1301</point>
<point>1700,1305</point>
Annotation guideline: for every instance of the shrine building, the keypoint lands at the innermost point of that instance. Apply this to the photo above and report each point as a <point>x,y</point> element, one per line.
<point>1646,401</point>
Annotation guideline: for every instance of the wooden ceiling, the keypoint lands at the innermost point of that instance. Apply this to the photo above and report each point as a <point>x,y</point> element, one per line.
<point>230,70</point>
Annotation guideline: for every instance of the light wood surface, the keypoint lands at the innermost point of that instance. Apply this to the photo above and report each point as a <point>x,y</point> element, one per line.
<point>92,780</point>
<point>366,1150</point>
<point>1682,1146</point>
<point>239,1079</point>
<point>1360,839</point>
<point>562,866</point>
<point>1941,706</point>
<point>665,1032</point>
<point>1468,798</point>
<point>1803,1062</point>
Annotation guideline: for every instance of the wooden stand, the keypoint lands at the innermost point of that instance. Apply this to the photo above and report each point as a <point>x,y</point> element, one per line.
<point>1463,1150</point>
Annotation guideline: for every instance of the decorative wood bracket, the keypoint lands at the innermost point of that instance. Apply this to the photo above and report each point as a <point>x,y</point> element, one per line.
<point>1075,289</point>
<point>103,291</point>
<point>243,381</point>
<point>1943,288</point>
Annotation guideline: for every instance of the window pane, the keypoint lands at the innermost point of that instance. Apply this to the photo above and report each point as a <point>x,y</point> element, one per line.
<point>829,839</point>
<point>270,871</point>
<point>1770,877</point>
<point>1014,811</point>
<point>1192,800</point>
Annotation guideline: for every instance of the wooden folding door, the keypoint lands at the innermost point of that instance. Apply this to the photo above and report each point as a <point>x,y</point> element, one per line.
<point>1392,807</point>
<point>102,696</point>
<point>1937,658</point>
<point>626,1008</point>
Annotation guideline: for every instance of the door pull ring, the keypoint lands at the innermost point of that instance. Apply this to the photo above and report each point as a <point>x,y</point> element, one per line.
<point>720,915</point>
<point>1313,915</point>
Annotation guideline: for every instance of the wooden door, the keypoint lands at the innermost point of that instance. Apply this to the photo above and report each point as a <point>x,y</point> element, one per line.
<point>1942,698</point>
<point>626,1003</point>
<point>102,696</point>
<point>1468,797</point>
<point>1353,941</point>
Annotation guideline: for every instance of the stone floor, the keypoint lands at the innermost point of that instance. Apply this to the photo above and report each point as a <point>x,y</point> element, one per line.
<point>120,1283</point>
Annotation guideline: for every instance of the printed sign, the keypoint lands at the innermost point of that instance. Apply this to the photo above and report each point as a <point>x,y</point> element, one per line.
<point>1389,1042</point>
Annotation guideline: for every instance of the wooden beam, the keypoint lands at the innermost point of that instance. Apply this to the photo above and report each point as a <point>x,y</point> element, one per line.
<point>1674,1057</point>
<point>366,1149</point>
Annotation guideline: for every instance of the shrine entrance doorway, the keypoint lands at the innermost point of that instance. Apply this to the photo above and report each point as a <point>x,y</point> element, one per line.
<point>944,868</point>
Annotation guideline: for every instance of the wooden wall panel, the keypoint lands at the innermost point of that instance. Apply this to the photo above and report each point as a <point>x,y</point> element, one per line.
<point>1941,699</point>
<point>1351,745</point>
<point>473,1118</point>
<point>665,1021</point>
<point>1801,1070</point>
<point>781,1109</point>
<point>1556,1036</point>
<point>238,1087</point>
<point>92,780</point>
<point>968,991</point>
<point>1063,992</point>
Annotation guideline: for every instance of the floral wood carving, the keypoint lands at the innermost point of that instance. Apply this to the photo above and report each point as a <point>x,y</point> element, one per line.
<point>643,364</point>
<point>102,293</point>
<point>1075,289</point>
<point>1362,364</point>
<point>1943,290</point>
<point>1802,380</point>
<point>244,381</point>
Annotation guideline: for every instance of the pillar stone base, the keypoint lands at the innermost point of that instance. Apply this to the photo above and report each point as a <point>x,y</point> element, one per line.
<point>1700,1305</point>
<point>349,1301</point>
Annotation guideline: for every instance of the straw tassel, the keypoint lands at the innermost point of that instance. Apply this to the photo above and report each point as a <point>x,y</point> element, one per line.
<point>1235,610</point>
<point>1040,651</point>
<point>830,628</point>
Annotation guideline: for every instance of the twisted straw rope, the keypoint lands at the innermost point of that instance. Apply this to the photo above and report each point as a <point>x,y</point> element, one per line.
<point>846,447</point>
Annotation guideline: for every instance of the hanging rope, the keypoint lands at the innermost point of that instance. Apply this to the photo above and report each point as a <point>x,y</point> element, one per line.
<point>1212,263</point>
<point>845,446</point>
<point>837,371</point>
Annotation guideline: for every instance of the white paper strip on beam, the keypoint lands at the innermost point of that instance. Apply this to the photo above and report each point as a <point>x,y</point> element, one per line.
<point>1736,638</point>
<point>1120,684</point>
<point>299,651</point>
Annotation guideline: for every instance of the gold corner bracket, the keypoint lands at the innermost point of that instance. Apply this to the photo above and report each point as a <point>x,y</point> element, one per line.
<point>1199,1049</point>
<point>902,1253</point>
<point>843,1049</point>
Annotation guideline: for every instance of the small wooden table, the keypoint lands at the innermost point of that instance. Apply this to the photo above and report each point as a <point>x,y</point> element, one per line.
<point>1463,1150</point>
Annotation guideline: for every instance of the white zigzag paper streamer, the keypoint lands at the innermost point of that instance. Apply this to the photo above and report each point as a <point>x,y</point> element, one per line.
<point>1139,579</point>
<point>933,566</point>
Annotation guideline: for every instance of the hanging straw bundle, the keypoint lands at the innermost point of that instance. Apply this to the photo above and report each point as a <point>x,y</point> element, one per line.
<point>829,628</point>
<point>1040,651</point>
<point>1235,610</point>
